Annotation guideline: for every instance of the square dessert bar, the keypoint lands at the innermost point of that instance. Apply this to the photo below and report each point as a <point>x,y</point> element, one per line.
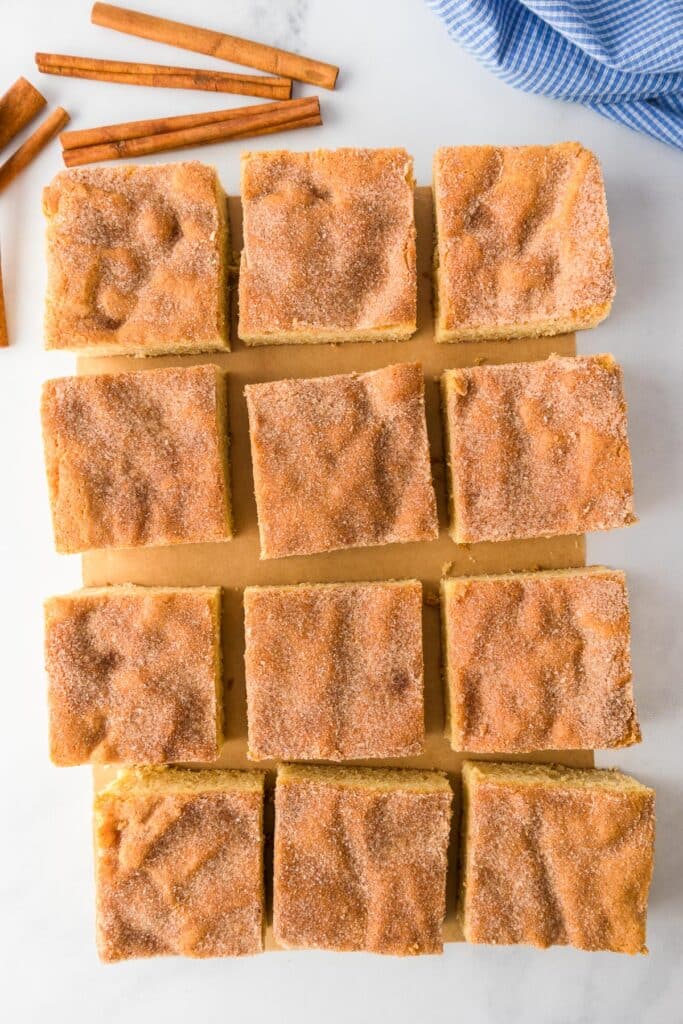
<point>538,661</point>
<point>137,458</point>
<point>137,260</point>
<point>134,675</point>
<point>334,671</point>
<point>329,246</point>
<point>537,449</point>
<point>360,859</point>
<point>522,241</point>
<point>342,461</point>
<point>179,864</point>
<point>555,856</point>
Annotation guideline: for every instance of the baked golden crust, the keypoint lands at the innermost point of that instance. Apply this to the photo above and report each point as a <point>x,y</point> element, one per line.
<point>136,260</point>
<point>537,449</point>
<point>538,661</point>
<point>329,246</point>
<point>341,461</point>
<point>360,859</point>
<point>134,675</point>
<point>523,242</point>
<point>137,458</point>
<point>556,856</point>
<point>334,671</point>
<point>179,864</point>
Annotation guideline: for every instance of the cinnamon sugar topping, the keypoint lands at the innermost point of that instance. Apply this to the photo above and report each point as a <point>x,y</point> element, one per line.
<point>180,864</point>
<point>136,260</point>
<point>329,246</point>
<point>522,241</point>
<point>341,461</point>
<point>334,671</point>
<point>556,856</point>
<point>537,449</point>
<point>134,675</point>
<point>360,859</point>
<point>137,458</point>
<point>538,661</point>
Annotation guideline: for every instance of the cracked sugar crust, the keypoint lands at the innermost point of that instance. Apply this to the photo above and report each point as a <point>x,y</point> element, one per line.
<point>134,675</point>
<point>341,461</point>
<point>137,458</point>
<point>334,671</point>
<point>359,867</point>
<point>537,449</point>
<point>539,661</point>
<point>329,246</point>
<point>523,242</point>
<point>136,260</point>
<point>179,873</point>
<point>550,860</point>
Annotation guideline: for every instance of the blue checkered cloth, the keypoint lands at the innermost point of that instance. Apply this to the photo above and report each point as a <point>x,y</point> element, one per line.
<point>623,58</point>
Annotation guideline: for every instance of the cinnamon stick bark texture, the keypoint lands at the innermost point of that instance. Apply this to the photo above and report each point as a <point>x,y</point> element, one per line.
<point>34,145</point>
<point>18,106</point>
<point>216,44</point>
<point>162,76</point>
<point>123,141</point>
<point>303,107</point>
<point>4,336</point>
<point>157,126</point>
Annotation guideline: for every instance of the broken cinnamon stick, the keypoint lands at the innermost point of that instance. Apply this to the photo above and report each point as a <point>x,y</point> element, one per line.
<point>4,336</point>
<point>160,75</point>
<point>18,106</point>
<point>35,143</point>
<point>216,44</point>
<point>243,123</point>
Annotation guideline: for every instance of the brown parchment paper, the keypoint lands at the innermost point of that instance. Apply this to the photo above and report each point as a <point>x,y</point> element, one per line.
<point>235,564</point>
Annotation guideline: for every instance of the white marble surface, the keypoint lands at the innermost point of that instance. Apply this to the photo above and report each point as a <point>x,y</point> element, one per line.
<point>403,82</point>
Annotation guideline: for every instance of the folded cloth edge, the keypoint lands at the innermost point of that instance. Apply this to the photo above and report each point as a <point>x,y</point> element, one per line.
<point>513,41</point>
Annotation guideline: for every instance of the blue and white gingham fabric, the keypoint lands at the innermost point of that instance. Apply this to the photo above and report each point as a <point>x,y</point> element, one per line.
<point>623,58</point>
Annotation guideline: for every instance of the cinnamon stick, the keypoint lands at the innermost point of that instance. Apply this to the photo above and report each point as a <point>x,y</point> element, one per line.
<point>302,107</point>
<point>216,44</point>
<point>35,143</point>
<point>160,75</point>
<point>4,336</point>
<point>249,123</point>
<point>18,106</point>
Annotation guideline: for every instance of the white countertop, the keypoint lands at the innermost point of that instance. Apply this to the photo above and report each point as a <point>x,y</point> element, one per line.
<point>403,82</point>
